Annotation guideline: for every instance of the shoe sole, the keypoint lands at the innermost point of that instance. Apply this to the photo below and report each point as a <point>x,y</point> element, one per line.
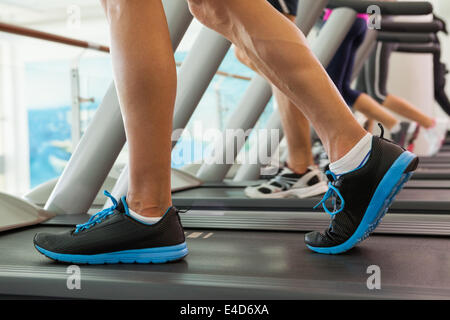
<point>300,193</point>
<point>144,256</point>
<point>391,184</point>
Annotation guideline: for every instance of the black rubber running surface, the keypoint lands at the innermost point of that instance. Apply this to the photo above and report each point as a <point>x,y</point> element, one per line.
<point>236,265</point>
<point>431,173</point>
<point>410,199</point>
<point>428,184</point>
<point>436,165</point>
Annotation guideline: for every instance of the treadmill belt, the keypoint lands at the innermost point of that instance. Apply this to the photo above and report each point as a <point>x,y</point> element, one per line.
<point>411,199</point>
<point>239,265</point>
<point>428,184</point>
<point>432,173</point>
<point>425,195</point>
<point>434,160</point>
<point>437,165</point>
<point>443,154</point>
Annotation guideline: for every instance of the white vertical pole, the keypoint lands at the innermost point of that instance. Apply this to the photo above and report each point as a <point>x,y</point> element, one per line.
<point>16,158</point>
<point>75,106</point>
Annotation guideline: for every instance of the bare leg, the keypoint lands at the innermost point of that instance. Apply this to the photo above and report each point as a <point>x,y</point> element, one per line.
<point>146,87</point>
<point>297,131</point>
<point>405,109</point>
<point>295,125</point>
<point>369,125</point>
<point>281,53</point>
<point>373,110</point>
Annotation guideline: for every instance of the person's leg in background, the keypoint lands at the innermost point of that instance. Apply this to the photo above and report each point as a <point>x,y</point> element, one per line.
<point>297,132</point>
<point>362,174</point>
<point>371,108</point>
<point>355,99</point>
<point>369,82</point>
<point>405,109</point>
<point>295,125</point>
<point>339,64</point>
<point>433,131</point>
<point>373,111</point>
<point>299,177</point>
<point>340,70</point>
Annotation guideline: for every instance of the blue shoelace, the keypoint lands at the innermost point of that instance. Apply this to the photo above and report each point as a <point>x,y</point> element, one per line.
<point>100,216</point>
<point>332,192</point>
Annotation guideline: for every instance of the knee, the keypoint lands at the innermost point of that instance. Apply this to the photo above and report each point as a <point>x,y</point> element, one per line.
<point>211,13</point>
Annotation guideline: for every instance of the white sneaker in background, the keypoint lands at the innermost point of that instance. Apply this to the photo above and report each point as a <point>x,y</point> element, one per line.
<point>430,141</point>
<point>288,184</point>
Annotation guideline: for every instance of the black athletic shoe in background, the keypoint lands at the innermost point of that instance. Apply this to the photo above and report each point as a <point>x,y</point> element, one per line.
<point>362,197</point>
<point>113,236</point>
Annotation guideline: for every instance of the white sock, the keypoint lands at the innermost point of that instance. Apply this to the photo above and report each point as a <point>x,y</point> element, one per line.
<point>355,158</point>
<point>147,220</point>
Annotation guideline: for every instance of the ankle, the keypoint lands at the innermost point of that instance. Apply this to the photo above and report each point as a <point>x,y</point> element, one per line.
<point>146,208</point>
<point>150,212</point>
<point>342,145</point>
<point>298,168</point>
<point>355,158</point>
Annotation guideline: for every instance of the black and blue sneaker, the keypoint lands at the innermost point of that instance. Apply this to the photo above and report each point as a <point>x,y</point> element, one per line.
<point>113,236</point>
<point>362,197</point>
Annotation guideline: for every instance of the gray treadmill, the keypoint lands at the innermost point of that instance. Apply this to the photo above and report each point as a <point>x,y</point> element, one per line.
<point>241,264</point>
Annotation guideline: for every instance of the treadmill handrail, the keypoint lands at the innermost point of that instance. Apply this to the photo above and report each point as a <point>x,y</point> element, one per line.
<point>424,27</point>
<point>387,8</point>
<point>418,48</point>
<point>37,34</point>
<point>402,37</point>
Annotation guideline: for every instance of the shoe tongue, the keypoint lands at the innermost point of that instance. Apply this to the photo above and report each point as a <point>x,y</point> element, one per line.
<point>330,176</point>
<point>120,207</point>
<point>327,173</point>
